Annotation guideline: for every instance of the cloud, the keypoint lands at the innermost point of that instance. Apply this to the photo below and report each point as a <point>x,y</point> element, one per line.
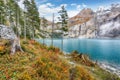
<point>84,5</point>
<point>65,5</point>
<point>48,9</point>
<point>78,7</point>
<point>73,4</point>
<point>72,13</point>
<point>102,8</point>
<point>41,1</point>
<point>49,4</point>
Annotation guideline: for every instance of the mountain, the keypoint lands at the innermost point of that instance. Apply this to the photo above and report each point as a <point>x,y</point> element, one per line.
<point>45,23</point>
<point>109,22</point>
<point>80,23</point>
<point>83,16</point>
<point>104,23</point>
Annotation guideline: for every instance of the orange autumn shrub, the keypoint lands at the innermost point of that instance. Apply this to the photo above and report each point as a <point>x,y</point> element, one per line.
<point>2,48</point>
<point>39,63</point>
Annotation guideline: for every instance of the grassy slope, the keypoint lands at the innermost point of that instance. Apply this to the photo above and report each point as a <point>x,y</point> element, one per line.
<point>39,62</point>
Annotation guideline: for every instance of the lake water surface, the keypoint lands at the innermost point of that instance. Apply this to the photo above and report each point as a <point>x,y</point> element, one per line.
<point>98,49</point>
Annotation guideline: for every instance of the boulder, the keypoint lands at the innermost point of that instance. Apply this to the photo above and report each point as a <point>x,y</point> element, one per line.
<point>8,33</point>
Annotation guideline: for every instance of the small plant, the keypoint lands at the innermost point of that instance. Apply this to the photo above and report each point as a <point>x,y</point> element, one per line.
<point>81,58</point>
<point>25,42</point>
<point>4,47</point>
<point>75,51</point>
<point>51,48</point>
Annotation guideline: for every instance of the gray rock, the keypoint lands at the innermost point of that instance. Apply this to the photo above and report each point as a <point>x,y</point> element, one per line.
<point>7,32</point>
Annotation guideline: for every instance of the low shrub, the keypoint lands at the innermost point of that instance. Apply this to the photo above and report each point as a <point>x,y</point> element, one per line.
<point>81,58</point>
<point>52,48</point>
<point>4,47</point>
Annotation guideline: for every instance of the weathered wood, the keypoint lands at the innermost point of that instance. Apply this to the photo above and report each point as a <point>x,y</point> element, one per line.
<point>16,46</point>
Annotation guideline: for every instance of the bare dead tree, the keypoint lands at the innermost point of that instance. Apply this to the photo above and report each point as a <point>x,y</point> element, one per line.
<point>24,25</point>
<point>52,28</point>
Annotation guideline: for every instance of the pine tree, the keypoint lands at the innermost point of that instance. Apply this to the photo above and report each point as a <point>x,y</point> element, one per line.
<point>26,21</point>
<point>2,12</point>
<point>63,18</point>
<point>14,18</point>
<point>33,17</point>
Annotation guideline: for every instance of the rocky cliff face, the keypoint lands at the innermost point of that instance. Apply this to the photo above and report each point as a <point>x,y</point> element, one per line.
<point>110,28</point>
<point>82,17</point>
<point>108,23</point>
<point>101,24</point>
<point>80,24</point>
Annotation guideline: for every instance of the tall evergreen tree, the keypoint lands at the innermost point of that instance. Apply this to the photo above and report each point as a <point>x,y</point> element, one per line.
<point>64,21</point>
<point>33,17</point>
<point>63,18</point>
<point>13,14</point>
<point>27,9</point>
<point>2,11</point>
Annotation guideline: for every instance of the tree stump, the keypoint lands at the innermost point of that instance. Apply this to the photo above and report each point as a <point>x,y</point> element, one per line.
<point>16,46</point>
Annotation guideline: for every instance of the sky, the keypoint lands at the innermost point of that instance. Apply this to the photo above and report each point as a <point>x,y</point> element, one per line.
<point>48,7</point>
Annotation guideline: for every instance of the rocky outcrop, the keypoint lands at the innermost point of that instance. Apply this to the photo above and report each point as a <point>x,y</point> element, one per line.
<point>7,33</point>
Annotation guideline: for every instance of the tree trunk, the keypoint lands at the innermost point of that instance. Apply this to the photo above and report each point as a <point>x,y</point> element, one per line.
<point>16,46</point>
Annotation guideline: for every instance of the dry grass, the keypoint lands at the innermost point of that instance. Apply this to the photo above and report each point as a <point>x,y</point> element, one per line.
<point>40,62</point>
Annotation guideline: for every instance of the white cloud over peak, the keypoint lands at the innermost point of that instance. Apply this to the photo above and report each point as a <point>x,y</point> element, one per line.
<point>78,7</point>
<point>101,8</point>
<point>72,13</point>
<point>48,9</point>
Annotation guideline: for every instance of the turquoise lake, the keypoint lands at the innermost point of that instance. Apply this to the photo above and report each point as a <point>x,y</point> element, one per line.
<point>97,49</point>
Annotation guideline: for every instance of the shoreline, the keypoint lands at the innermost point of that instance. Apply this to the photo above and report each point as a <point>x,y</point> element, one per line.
<point>109,67</point>
<point>114,69</point>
